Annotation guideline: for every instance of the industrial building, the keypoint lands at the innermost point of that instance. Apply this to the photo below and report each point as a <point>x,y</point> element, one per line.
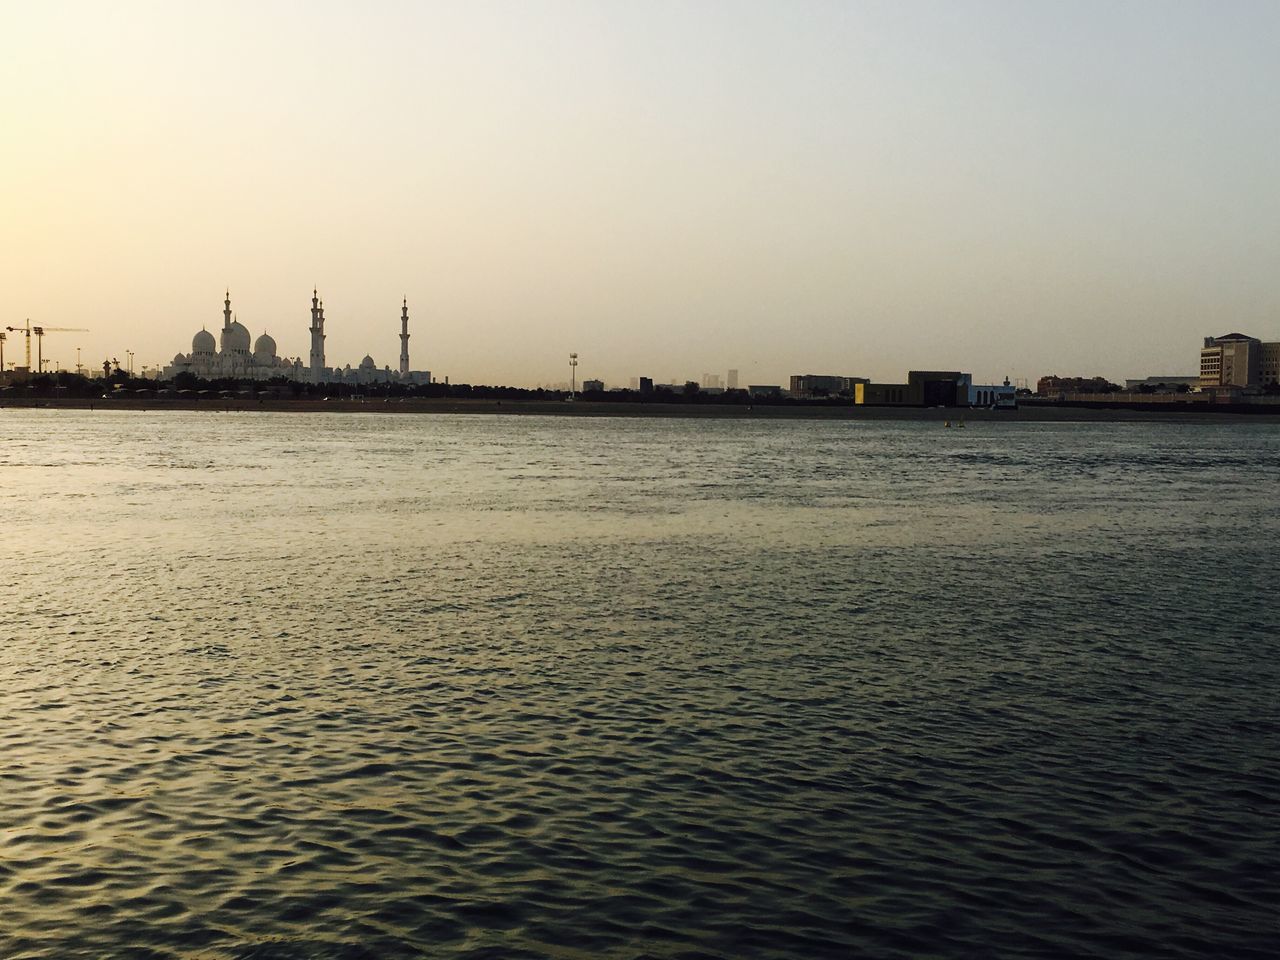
<point>924,388</point>
<point>880,394</point>
<point>936,388</point>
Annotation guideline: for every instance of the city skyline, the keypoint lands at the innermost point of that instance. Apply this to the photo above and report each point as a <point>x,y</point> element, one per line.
<point>14,352</point>
<point>1007,188</point>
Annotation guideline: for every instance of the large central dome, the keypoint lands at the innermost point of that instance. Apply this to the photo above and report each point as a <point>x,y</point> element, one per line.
<point>265,346</point>
<point>235,338</point>
<point>203,342</point>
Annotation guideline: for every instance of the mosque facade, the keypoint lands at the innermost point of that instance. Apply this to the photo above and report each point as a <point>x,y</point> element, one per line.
<point>231,357</point>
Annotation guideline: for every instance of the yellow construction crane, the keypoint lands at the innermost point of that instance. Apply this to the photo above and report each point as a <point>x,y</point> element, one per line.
<point>38,333</point>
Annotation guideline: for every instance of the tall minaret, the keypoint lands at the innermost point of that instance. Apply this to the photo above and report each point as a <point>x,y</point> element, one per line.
<point>224,348</point>
<point>404,338</point>
<point>317,338</point>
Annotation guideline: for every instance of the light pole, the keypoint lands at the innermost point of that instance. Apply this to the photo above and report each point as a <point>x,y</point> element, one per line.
<point>129,353</point>
<point>78,367</point>
<point>573,374</point>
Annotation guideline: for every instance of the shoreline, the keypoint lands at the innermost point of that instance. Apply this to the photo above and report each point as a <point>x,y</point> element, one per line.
<point>1036,413</point>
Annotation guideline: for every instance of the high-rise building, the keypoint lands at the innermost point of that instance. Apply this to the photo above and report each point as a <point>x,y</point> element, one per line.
<point>1237,360</point>
<point>733,380</point>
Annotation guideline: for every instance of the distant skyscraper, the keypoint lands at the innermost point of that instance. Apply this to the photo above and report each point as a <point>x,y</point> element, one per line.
<point>404,337</point>
<point>733,379</point>
<point>317,338</point>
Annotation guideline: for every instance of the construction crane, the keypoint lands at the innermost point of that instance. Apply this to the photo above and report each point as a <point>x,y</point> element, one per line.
<point>38,333</point>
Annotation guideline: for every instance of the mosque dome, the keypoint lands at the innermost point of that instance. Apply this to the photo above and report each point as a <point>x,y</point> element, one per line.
<point>203,342</point>
<point>179,359</point>
<point>265,345</point>
<point>235,338</point>
<point>367,363</point>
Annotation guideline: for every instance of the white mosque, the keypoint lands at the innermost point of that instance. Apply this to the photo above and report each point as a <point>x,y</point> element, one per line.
<point>231,357</point>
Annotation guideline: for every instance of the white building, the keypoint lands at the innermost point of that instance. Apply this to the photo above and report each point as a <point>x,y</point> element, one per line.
<point>230,357</point>
<point>993,395</point>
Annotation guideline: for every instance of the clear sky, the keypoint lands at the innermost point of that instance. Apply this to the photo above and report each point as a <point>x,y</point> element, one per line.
<point>668,188</point>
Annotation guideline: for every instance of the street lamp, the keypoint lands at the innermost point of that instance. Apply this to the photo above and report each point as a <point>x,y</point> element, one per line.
<point>129,353</point>
<point>573,374</point>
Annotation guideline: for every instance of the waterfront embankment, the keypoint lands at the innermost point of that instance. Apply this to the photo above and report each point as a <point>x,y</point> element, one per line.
<point>1038,412</point>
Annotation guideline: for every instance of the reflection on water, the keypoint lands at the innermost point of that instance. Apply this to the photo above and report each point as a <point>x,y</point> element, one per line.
<point>340,686</point>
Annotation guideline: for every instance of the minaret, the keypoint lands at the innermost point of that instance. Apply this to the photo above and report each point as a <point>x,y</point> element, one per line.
<point>224,348</point>
<point>317,338</point>
<point>404,338</point>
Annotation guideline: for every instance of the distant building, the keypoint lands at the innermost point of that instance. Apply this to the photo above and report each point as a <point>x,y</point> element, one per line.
<point>993,395</point>
<point>231,358</point>
<point>939,388</point>
<point>732,381</point>
<point>589,385</point>
<point>880,394</point>
<point>1162,384</point>
<point>404,339</point>
<point>765,390</point>
<point>1237,360</point>
<point>924,388</point>
<point>822,385</point>
<point>646,385</point>
<point>1052,385</point>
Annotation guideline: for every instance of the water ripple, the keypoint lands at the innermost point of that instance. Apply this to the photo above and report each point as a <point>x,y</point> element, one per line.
<point>537,688</point>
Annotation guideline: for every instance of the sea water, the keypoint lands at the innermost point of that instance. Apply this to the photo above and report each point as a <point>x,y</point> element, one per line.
<point>345,686</point>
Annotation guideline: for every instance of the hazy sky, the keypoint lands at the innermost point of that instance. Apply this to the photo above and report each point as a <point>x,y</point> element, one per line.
<point>669,189</point>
